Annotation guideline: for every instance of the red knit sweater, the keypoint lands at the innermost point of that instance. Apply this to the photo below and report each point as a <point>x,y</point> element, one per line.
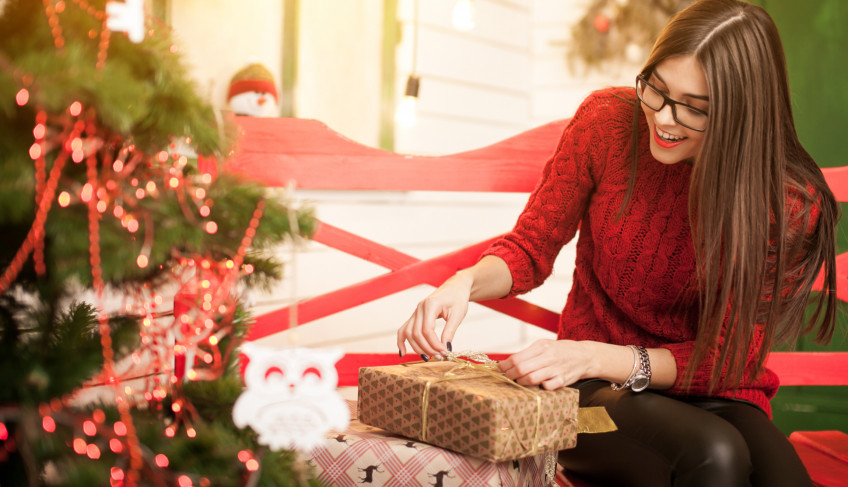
<point>633,276</point>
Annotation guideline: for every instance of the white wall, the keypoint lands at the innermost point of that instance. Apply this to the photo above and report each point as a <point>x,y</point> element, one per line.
<point>505,76</point>
<point>219,37</point>
<point>339,65</point>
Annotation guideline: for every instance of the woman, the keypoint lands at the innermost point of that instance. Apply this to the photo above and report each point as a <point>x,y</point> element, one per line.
<point>703,224</point>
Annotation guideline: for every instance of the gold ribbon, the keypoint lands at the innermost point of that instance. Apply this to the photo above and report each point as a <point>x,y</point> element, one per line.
<point>472,365</point>
<point>484,367</point>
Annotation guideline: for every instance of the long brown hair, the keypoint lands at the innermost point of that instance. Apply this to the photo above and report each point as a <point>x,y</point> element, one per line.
<point>755,268</point>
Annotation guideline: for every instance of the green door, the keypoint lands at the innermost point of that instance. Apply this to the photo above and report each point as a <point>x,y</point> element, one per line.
<point>815,36</point>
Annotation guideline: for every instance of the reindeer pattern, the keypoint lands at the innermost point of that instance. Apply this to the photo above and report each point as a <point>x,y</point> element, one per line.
<point>369,473</point>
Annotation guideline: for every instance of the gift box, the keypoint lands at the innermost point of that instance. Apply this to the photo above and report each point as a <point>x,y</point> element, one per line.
<point>468,408</point>
<point>364,454</point>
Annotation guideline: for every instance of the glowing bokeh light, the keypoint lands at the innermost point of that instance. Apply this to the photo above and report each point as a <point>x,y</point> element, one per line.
<point>116,446</point>
<point>93,451</point>
<point>22,97</point>
<point>79,446</point>
<point>35,151</point>
<point>161,461</point>
<point>75,109</point>
<point>87,192</point>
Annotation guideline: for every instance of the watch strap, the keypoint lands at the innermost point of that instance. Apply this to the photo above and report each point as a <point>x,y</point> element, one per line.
<point>641,369</point>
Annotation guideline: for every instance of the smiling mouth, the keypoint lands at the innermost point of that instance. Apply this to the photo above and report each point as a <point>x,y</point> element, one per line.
<point>666,140</point>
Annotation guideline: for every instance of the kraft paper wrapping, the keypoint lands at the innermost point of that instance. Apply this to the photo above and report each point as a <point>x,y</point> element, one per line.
<point>460,408</point>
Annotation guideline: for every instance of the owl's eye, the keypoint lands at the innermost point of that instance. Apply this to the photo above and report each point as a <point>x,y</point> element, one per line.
<point>314,371</point>
<point>274,371</point>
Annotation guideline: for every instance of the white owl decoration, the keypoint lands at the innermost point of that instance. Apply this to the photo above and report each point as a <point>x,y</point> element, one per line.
<point>290,399</point>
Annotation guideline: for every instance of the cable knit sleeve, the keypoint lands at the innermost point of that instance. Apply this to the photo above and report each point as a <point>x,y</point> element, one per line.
<point>554,210</point>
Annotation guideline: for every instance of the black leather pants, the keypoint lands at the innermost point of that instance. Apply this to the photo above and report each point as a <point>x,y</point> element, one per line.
<point>665,441</point>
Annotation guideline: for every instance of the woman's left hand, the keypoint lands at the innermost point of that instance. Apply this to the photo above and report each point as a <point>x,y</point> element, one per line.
<point>551,363</point>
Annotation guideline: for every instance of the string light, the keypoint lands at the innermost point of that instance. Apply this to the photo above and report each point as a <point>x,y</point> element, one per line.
<point>116,446</point>
<point>48,423</point>
<point>463,15</point>
<point>79,446</point>
<point>22,97</point>
<point>161,460</point>
<point>117,473</point>
<point>75,109</point>
<point>92,451</point>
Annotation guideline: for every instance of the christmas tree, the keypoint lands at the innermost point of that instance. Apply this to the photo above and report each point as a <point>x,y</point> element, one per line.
<point>122,259</point>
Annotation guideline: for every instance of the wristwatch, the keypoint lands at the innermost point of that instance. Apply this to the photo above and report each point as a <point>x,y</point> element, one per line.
<point>640,376</point>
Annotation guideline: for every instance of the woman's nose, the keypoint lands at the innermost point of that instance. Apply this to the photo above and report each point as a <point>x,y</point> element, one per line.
<point>665,116</point>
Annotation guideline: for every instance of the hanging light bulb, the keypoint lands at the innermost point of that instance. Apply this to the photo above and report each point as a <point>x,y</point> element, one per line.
<point>408,107</point>
<point>463,15</point>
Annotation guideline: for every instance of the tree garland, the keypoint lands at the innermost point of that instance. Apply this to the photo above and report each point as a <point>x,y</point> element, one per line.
<point>619,31</point>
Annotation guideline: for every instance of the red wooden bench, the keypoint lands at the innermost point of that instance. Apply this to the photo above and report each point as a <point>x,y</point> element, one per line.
<point>277,151</point>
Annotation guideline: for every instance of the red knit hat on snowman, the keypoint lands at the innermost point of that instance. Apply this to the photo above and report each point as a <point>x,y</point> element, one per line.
<point>250,92</point>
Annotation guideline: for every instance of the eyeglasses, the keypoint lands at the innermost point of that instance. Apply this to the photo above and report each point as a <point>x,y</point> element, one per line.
<point>688,116</point>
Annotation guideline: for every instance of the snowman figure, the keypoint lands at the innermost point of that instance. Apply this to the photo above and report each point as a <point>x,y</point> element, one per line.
<point>253,92</point>
<point>290,399</point>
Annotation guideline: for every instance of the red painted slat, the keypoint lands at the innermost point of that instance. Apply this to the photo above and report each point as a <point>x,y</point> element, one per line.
<point>810,368</point>
<point>365,249</point>
<point>278,150</point>
<point>837,180</point>
<point>825,454</point>
<point>433,271</point>
<point>832,443</point>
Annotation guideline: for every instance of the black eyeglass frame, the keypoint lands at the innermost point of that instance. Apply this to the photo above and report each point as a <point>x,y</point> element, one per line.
<point>667,101</point>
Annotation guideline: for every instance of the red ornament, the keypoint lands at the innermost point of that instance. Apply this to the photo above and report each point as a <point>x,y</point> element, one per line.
<point>602,23</point>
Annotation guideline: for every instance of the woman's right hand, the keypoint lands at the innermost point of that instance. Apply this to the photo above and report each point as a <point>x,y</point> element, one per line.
<point>450,303</point>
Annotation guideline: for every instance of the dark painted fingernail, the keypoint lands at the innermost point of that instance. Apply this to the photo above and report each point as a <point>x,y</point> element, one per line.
<point>450,347</point>
<point>424,357</point>
<point>400,354</point>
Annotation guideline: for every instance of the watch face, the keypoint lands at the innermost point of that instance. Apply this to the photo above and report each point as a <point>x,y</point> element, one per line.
<point>640,383</point>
